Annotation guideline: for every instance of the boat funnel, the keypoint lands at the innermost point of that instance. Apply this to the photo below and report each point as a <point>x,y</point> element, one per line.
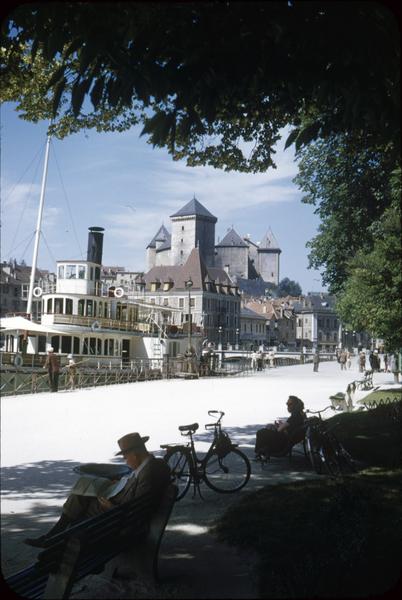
<point>95,245</point>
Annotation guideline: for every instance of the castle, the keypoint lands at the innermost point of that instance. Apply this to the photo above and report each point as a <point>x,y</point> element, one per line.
<point>193,226</point>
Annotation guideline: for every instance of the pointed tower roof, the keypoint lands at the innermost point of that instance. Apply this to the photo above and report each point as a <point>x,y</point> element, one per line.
<point>195,268</point>
<point>162,235</point>
<point>194,208</point>
<point>232,239</point>
<point>269,242</point>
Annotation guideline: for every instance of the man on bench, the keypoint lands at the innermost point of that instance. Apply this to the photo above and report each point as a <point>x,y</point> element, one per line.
<point>92,496</point>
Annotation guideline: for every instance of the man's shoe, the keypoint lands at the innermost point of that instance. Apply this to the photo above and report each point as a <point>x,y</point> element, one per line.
<point>39,542</point>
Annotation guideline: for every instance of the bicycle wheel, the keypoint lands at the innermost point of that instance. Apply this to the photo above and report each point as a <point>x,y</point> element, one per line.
<point>179,464</point>
<point>227,474</point>
<point>329,456</point>
<point>311,449</point>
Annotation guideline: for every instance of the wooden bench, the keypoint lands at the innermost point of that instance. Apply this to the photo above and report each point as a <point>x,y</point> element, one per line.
<point>366,383</point>
<point>127,536</point>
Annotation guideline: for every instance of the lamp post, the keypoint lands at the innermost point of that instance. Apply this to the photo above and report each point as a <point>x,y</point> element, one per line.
<point>220,337</point>
<point>189,285</point>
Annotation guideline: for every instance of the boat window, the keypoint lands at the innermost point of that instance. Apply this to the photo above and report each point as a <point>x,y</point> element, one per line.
<point>66,344</point>
<point>92,346</point>
<point>76,344</point>
<point>61,272</point>
<point>69,306</point>
<point>50,306</point>
<point>81,308</point>
<point>106,307</point>
<point>91,273</point>
<point>85,346</point>
<point>97,273</point>
<point>58,306</point>
<point>55,343</point>
<point>89,308</point>
<point>100,308</point>
<point>98,346</point>
<point>81,271</point>
<point>42,343</point>
<point>71,271</point>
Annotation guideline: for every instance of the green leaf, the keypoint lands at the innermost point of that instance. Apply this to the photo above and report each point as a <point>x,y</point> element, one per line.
<point>57,75</point>
<point>97,91</point>
<point>292,137</point>
<point>58,90</point>
<point>79,90</point>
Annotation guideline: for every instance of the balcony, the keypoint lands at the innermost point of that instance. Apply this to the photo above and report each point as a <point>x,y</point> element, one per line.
<point>102,322</point>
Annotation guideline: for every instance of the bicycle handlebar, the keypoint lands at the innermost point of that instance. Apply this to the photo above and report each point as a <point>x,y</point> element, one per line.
<point>318,412</point>
<point>216,412</point>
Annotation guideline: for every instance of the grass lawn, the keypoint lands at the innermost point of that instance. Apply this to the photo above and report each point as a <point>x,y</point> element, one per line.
<point>329,538</point>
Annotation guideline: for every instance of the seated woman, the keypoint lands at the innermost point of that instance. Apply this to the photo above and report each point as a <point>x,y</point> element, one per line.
<point>277,438</point>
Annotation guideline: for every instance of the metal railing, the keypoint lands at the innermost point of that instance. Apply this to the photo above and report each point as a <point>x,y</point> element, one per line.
<point>30,377</point>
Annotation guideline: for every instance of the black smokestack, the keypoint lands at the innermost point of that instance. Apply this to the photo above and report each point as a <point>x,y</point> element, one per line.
<point>95,245</point>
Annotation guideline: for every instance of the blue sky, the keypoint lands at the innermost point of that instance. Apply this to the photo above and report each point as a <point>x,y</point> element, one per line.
<point>119,182</point>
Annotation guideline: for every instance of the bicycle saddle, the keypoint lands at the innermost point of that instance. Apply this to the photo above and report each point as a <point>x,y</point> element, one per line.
<point>193,427</point>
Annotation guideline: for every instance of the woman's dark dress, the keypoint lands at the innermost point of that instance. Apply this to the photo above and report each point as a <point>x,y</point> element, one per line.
<point>271,441</point>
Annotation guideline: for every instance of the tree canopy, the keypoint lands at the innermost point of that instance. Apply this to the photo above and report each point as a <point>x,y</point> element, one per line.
<point>215,83</point>
<point>288,287</point>
<point>349,184</point>
<point>203,77</point>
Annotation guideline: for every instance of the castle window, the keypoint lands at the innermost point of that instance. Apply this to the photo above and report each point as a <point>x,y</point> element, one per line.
<point>182,227</point>
<point>181,302</point>
<point>181,252</point>
<point>81,271</point>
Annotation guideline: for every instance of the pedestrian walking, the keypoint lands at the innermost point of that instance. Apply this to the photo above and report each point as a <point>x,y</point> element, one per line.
<point>52,364</point>
<point>362,361</point>
<point>348,359</point>
<point>394,367</point>
<point>342,360</point>
<point>316,361</point>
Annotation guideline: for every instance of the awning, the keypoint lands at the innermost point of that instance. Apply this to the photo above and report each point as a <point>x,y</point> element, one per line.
<point>22,324</point>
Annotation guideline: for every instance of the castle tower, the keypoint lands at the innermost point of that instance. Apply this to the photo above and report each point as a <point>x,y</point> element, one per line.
<point>193,226</point>
<point>158,249</point>
<point>232,252</point>
<point>268,258</point>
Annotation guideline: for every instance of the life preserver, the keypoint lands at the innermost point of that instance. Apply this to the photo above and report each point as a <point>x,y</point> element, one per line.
<point>37,292</point>
<point>119,292</point>
<point>18,362</point>
<point>95,325</point>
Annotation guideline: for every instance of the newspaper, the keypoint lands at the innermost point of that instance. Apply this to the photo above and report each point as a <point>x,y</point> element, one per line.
<point>88,485</point>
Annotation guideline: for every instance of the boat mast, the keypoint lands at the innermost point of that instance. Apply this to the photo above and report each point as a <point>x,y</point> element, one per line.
<point>38,227</point>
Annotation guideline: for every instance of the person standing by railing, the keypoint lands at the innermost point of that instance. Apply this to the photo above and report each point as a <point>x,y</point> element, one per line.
<point>52,364</point>
<point>71,372</point>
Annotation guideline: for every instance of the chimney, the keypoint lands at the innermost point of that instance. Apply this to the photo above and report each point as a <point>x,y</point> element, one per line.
<point>95,245</point>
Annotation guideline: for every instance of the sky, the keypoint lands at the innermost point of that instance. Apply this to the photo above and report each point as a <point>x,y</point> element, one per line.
<point>120,182</point>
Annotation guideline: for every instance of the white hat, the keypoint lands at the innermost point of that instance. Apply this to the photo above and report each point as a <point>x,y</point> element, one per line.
<point>69,356</point>
<point>50,349</point>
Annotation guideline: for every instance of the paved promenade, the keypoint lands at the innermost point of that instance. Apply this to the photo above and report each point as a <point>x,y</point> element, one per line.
<point>44,436</point>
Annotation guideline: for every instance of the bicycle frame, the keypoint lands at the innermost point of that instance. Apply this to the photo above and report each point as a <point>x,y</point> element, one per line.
<point>195,470</point>
<point>323,448</point>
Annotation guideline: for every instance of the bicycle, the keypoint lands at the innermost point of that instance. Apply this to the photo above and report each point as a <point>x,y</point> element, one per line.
<point>224,468</point>
<point>324,450</point>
